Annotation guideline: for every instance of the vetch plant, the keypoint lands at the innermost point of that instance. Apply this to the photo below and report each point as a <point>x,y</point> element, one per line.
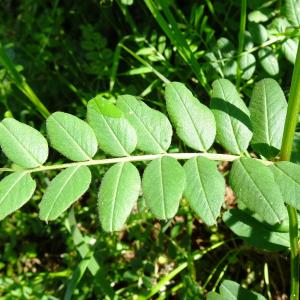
<point>130,131</point>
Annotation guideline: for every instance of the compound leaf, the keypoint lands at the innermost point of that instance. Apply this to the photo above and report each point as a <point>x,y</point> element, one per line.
<point>205,188</point>
<point>118,194</point>
<point>163,184</point>
<point>234,129</point>
<point>267,112</point>
<point>71,136</point>
<point>23,144</point>
<point>114,133</point>
<point>153,129</point>
<point>15,190</point>
<point>287,176</point>
<point>193,121</point>
<point>255,187</point>
<point>68,186</point>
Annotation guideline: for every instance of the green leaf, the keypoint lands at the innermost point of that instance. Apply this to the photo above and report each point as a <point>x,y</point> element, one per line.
<point>114,133</point>
<point>71,136</point>
<point>229,69</point>
<point>258,32</point>
<point>255,233</point>
<point>267,112</point>
<point>68,186</point>
<point>163,184</point>
<point>287,176</point>
<point>193,121</point>
<point>23,144</point>
<point>292,11</point>
<point>234,129</point>
<point>212,60</point>
<point>254,186</point>
<point>15,190</point>
<point>153,129</point>
<point>268,61</point>
<point>257,16</point>
<point>118,194</point>
<point>247,63</point>
<point>224,48</point>
<point>289,49</point>
<point>205,188</point>
<point>231,290</point>
<point>214,296</point>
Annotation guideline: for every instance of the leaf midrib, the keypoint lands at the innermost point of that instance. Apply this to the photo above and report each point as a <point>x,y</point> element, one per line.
<point>29,154</point>
<point>60,191</point>
<point>204,191</point>
<point>72,139</point>
<point>140,121</point>
<point>14,184</point>
<point>230,120</point>
<point>114,135</point>
<point>257,188</point>
<point>115,196</point>
<point>162,190</point>
<point>191,119</point>
<point>266,113</point>
<point>284,172</point>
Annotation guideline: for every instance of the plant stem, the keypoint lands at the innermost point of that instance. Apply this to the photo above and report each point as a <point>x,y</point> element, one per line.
<point>286,149</point>
<point>167,278</point>
<point>107,161</point>
<point>241,40</point>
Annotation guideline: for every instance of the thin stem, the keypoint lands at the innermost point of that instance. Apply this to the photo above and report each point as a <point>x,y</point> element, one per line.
<point>107,161</point>
<point>286,149</point>
<point>241,40</point>
<point>141,60</point>
<point>167,278</point>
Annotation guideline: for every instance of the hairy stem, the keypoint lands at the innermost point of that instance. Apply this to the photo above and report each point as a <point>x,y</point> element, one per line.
<point>286,149</point>
<point>107,161</point>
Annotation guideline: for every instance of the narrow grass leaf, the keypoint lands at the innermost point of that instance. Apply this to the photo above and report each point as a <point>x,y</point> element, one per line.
<point>23,144</point>
<point>268,108</point>
<point>205,188</point>
<point>287,176</point>
<point>118,194</point>
<point>163,184</point>
<point>153,129</point>
<point>254,186</point>
<point>234,129</point>
<point>15,190</point>
<point>194,122</point>
<point>67,187</point>
<point>71,136</point>
<point>114,133</point>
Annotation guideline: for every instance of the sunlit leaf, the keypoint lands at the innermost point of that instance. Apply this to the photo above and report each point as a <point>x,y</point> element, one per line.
<point>23,144</point>
<point>163,184</point>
